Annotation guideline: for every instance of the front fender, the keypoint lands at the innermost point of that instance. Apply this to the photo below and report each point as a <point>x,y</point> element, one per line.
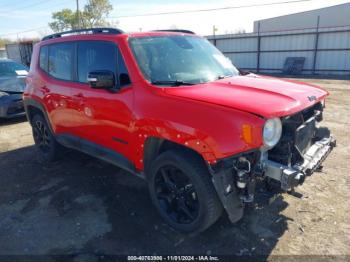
<point>213,131</point>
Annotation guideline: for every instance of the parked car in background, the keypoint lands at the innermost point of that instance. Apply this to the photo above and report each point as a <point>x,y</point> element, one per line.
<point>169,107</point>
<point>12,84</point>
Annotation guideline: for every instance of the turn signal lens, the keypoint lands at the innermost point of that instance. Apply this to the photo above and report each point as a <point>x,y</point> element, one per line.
<point>247,133</point>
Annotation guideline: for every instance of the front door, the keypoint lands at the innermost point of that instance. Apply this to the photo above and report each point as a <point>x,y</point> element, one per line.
<point>105,115</point>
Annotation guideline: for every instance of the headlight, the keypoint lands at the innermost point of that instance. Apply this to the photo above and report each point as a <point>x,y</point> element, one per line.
<point>3,94</point>
<point>323,103</point>
<point>272,132</point>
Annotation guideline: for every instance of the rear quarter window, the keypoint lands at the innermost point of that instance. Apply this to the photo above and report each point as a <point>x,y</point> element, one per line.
<point>44,58</point>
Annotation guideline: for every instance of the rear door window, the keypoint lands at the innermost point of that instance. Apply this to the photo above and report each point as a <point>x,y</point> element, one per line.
<point>61,58</point>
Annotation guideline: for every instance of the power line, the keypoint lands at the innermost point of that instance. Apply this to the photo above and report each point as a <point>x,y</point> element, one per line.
<point>210,9</point>
<point>180,12</point>
<point>37,28</point>
<point>25,6</point>
<point>35,4</point>
<point>26,31</point>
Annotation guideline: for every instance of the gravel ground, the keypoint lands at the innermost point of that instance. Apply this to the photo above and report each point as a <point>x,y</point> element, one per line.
<point>82,206</point>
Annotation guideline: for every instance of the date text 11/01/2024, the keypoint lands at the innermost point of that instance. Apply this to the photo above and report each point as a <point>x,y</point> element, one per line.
<point>174,258</point>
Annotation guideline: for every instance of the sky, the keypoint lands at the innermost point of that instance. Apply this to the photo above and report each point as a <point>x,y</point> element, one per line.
<point>21,19</point>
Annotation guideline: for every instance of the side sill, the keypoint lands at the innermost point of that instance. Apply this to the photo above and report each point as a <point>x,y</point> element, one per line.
<point>98,151</point>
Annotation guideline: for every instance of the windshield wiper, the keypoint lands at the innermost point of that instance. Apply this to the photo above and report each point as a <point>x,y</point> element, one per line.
<point>172,83</point>
<point>223,76</point>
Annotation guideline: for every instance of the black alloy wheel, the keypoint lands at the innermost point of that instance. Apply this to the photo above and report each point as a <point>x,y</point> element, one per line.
<point>44,140</point>
<point>177,195</point>
<point>42,136</point>
<point>182,191</point>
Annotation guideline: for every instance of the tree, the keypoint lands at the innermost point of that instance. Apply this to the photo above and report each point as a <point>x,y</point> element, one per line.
<point>64,20</point>
<point>4,41</point>
<point>93,15</point>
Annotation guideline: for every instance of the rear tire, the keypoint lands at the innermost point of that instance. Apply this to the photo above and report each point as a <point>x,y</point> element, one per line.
<point>182,191</point>
<point>45,142</point>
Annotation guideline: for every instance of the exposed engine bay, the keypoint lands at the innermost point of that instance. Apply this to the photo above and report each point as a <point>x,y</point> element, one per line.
<point>300,151</point>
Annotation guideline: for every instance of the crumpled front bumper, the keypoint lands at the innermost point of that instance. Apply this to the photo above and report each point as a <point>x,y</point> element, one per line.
<point>235,180</point>
<point>293,176</point>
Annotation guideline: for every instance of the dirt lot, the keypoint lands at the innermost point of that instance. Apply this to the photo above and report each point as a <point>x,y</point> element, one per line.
<point>83,206</point>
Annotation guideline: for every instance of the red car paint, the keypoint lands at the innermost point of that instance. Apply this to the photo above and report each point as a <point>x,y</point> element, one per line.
<point>217,119</point>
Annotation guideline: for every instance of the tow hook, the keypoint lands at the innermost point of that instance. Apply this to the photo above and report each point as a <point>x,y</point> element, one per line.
<point>242,167</point>
<point>291,179</point>
<point>244,182</point>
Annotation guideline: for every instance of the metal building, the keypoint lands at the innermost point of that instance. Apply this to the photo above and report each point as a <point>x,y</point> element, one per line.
<point>333,16</point>
<point>316,44</point>
<point>3,53</point>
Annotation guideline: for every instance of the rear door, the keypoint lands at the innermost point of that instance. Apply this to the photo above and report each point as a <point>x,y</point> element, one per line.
<point>56,64</point>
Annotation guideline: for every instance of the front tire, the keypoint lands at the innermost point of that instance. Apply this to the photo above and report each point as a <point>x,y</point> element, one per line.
<point>182,191</point>
<point>45,142</point>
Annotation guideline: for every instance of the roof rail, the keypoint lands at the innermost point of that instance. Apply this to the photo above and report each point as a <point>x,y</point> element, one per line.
<point>176,31</point>
<point>102,30</point>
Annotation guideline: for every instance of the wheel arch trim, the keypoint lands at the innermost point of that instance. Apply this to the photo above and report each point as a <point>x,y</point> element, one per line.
<point>31,102</point>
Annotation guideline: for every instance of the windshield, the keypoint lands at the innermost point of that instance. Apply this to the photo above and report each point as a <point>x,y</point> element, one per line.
<point>8,68</point>
<point>180,59</point>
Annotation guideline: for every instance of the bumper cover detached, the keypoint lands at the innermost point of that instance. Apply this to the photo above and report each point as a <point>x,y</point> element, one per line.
<point>295,175</point>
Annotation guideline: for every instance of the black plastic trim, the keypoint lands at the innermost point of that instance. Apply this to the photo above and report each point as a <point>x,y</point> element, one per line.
<point>32,102</point>
<point>97,151</point>
<point>176,31</point>
<point>102,30</point>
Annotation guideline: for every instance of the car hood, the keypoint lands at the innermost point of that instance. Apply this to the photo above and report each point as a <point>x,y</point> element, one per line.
<point>14,84</point>
<point>261,95</point>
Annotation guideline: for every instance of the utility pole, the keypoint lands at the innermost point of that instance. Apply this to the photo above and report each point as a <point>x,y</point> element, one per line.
<point>78,15</point>
<point>214,30</point>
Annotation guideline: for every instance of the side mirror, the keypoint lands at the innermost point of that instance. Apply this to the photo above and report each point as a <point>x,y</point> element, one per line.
<point>101,79</point>
<point>124,79</point>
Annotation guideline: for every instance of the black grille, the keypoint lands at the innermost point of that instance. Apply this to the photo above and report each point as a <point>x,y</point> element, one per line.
<point>298,132</point>
<point>304,135</point>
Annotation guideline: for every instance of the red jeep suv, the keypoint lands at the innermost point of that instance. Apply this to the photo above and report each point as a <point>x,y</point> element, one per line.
<point>169,107</point>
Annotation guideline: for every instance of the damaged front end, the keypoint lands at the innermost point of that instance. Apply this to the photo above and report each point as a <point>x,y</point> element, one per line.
<point>302,148</point>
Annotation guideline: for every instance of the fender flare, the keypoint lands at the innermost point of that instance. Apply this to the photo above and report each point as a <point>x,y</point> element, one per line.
<point>31,102</point>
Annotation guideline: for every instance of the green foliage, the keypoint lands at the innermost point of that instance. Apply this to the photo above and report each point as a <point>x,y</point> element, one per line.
<point>4,41</point>
<point>93,15</point>
<point>95,12</point>
<point>64,20</point>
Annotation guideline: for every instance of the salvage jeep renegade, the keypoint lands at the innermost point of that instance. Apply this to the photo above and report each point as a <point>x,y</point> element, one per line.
<point>169,107</point>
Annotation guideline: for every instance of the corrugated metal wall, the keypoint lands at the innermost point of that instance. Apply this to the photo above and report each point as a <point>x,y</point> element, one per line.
<point>326,50</point>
